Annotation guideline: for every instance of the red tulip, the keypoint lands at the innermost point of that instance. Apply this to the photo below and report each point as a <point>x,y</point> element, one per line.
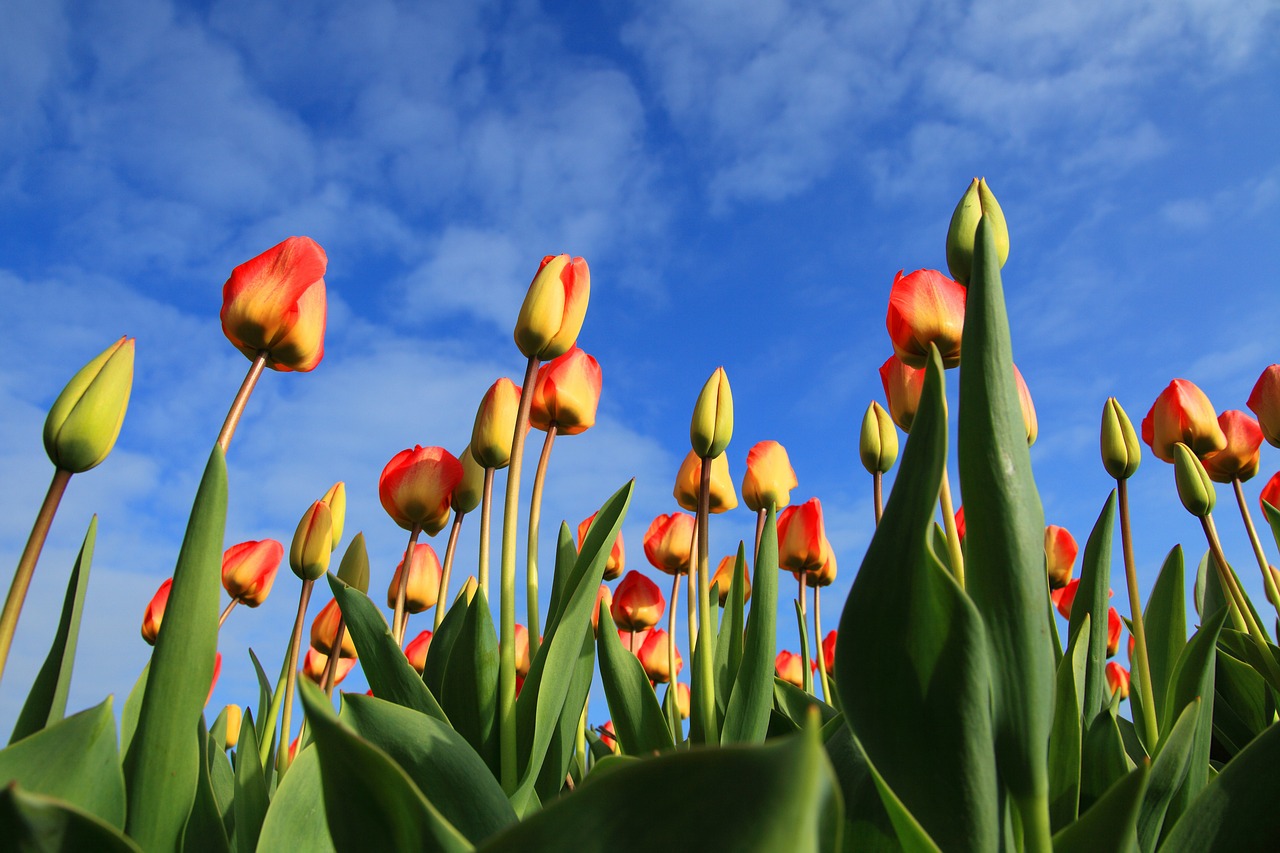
<point>607,737</point>
<point>1240,458</point>
<point>668,543</point>
<point>325,626</point>
<point>802,538</point>
<point>1064,598</point>
<point>724,574</point>
<point>824,576</point>
<point>154,614</point>
<point>275,303</point>
<point>315,663</point>
<point>926,307</point>
<point>1118,679</point>
<point>638,604</point>
<point>789,667</point>
<point>829,651</point>
<point>1060,551</point>
<point>566,393</point>
<point>522,650</point>
<point>960,522</point>
<point>1265,403</point>
<point>416,485</point>
<point>1114,626</point>
<point>554,307</point>
<point>719,489</point>
<point>1182,413</point>
<point>1270,493</point>
<point>653,657</point>
<point>1028,407</point>
<point>605,595</point>
<point>217,670</point>
<point>617,555</point>
<point>769,478</point>
<point>902,388</point>
<point>423,585</point>
<point>249,570</point>
<point>417,649</point>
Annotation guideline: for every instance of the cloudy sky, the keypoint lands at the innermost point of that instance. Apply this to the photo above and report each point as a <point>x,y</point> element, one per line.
<point>744,179</point>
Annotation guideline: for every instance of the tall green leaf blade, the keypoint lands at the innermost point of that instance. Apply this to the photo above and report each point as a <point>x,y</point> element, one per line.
<point>296,818</point>
<point>564,734</point>
<point>264,697</point>
<point>868,826</point>
<point>638,720</point>
<point>911,835</point>
<point>1103,761</point>
<point>1167,772</point>
<point>441,648</point>
<point>1242,706</point>
<point>1165,618</point>
<point>729,641</point>
<point>251,802</point>
<point>1092,599</point>
<point>596,546</point>
<point>746,716</point>
<point>163,763</point>
<point>469,694</point>
<point>566,554</point>
<point>47,701</point>
<point>1111,825</point>
<point>912,668</point>
<point>1066,735</point>
<point>205,831</point>
<point>32,822</point>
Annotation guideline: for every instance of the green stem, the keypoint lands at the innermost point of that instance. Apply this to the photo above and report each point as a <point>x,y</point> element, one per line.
<point>1233,589</point>
<point>241,400</point>
<point>822,656</point>
<point>291,678</point>
<point>486,512</point>
<point>1037,837</point>
<point>1140,660</point>
<point>705,658</point>
<point>806,674</point>
<point>1268,579</point>
<point>335,652</point>
<point>954,549</point>
<point>227,612</point>
<point>535,519</point>
<point>442,597</point>
<point>760,514</point>
<point>673,716</point>
<point>399,619</point>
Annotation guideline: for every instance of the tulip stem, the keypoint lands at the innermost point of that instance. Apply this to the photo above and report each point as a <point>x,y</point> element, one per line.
<point>1232,587</point>
<point>822,652</point>
<point>335,652</point>
<point>486,512</point>
<point>442,596</point>
<point>1268,579</point>
<point>227,612</point>
<point>760,514</point>
<point>806,674</point>
<point>691,615</point>
<point>877,491</point>
<point>673,717</point>
<point>291,677</point>
<point>241,400</point>
<point>535,519</point>
<point>399,619</point>
<point>507,640</point>
<point>954,550</point>
<point>1139,658</point>
<point>705,658</point>
<point>27,563</point>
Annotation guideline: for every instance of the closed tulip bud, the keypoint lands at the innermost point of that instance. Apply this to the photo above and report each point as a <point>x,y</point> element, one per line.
<point>976,201</point>
<point>604,596</point>
<point>1195,489</point>
<point>423,586</point>
<point>902,388</point>
<point>878,443</point>
<point>469,589</point>
<point>354,568</point>
<point>336,500</point>
<point>1114,626</point>
<point>789,666</point>
<point>682,699</point>
<point>960,522</point>
<point>566,393</point>
<point>249,570</point>
<point>829,651</point>
<point>1029,420</point>
<point>668,543</point>
<point>325,626</point>
<point>1060,549</point>
<point>1270,493</point>
<point>1182,414</point>
<point>417,485</point>
<point>1264,401</point>
<point>1118,679</point>
<point>154,614</point>
<point>495,424</point>
<point>720,489</point>
<point>825,575</point>
<point>638,604</point>
<point>617,554</point>
<point>554,307</point>
<point>926,308</point>
<point>522,650</point>
<point>1121,451</point>
<point>275,303</point>
<point>312,543</point>
<point>802,538</point>
<point>1064,598</point>
<point>653,657</point>
<point>416,651</point>
<point>470,491</point>
<point>712,424</point>
<point>724,579</point>
<point>1239,460</point>
<point>234,717</point>
<point>84,422</point>
<point>769,478</point>
<point>315,663</point>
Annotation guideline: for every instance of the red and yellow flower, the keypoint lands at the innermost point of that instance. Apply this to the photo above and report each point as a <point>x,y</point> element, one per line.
<point>1182,413</point>
<point>802,538</point>
<point>416,485</point>
<point>554,307</point>
<point>617,554</point>
<point>275,304</point>
<point>668,543</point>
<point>1239,460</point>
<point>926,307</point>
<point>423,584</point>
<point>903,385</point>
<point>638,603</point>
<point>249,570</point>
<point>720,488</point>
<point>769,478</point>
<point>566,393</point>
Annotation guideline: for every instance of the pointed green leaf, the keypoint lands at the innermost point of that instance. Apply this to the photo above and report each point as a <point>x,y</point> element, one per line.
<point>1111,825</point>
<point>1066,735</point>
<point>867,824</point>
<point>729,640</point>
<point>469,695</point>
<point>222,777</point>
<point>596,546</point>
<point>251,802</point>
<point>205,831</point>
<point>566,554</point>
<point>746,716</point>
<point>637,718</point>
<point>37,824</point>
<point>1167,772</point>
<point>132,708</point>
<point>441,648</point>
<point>1165,618</point>
<point>559,757</point>
<point>1242,702</point>
<point>796,705</point>
<point>911,835</point>
<point>296,817</point>
<point>1103,761</point>
<point>1092,599</point>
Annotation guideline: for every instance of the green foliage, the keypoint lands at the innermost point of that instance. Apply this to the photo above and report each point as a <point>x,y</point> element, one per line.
<point>746,716</point>
<point>638,720</point>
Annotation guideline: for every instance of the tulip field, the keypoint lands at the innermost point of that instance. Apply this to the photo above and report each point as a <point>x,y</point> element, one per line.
<point>989,683</point>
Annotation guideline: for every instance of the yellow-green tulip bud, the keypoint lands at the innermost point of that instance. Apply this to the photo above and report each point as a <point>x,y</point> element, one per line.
<point>1195,489</point>
<point>354,568</point>
<point>312,543</point>
<point>336,500</point>
<point>712,425</point>
<point>495,424</point>
<point>234,717</point>
<point>554,307</point>
<point>878,445</point>
<point>470,491</point>
<point>1121,451</point>
<point>976,201</point>
<point>85,420</point>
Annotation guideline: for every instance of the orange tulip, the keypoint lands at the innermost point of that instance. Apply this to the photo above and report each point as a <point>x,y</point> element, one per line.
<point>495,424</point>
<point>566,393</point>
<point>423,586</point>
<point>522,650</point>
<point>325,626</point>
<point>653,656</point>
<point>1270,493</point>
<point>217,670</point>
<point>790,667</point>
<point>275,303</point>
<point>1118,679</point>
<point>829,651</point>
<point>724,577</point>
<point>638,604</point>
<point>802,538</point>
<point>315,663</point>
<point>682,699</point>
<point>668,543</point>
<point>926,307</point>
<point>1239,460</point>
<point>1064,598</point>
<point>902,388</point>
<point>416,651</point>
<point>769,478</point>
<point>416,485</point>
<point>1060,551</point>
<point>1114,626</point>
<point>605,595</point>
<point>154,614</point>
<point>249,570</point>
<point>235,716</point>
<point>823,576</point>
<point>720,489</point>
<point>1028,407</point>
<point>1182,413</point>
<point>1264,401</point>
<point>617,555</point>
<point>554,307</point>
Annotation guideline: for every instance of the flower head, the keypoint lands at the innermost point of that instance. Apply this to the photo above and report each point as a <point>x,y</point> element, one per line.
<point>154,614</point>
<point>802,538</point>
<point>423,584</point>
<point>554,307</point>
<point>724,578</point>
<point>720,488</point>
<point>1182,413</point>
<point>903,386</point>
<point>926,307</point>
<point>1240,458</point>
<point>325,627</point>
<point>275,304</point>
<point>1060,551</point>
<point>617,554</point>
<point>769,478</point>
<point>417,485</point>
<point>249,570</point>
<point>417,649</point>
<point>668,543</point>
<point>566,393</point>
<point>638,603</point>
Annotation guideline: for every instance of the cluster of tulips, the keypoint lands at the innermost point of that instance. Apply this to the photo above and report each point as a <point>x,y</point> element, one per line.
<point>952,718</point>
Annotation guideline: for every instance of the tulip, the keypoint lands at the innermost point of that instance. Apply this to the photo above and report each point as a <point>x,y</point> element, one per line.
<point>607,737</point>
<point>154,614</point>
<point>925,308</point>
<point>829,651</point>
<point>1114,627</point>
<point>1064,598</point>
<point>976,202</point>
<point>1060,551</point>
<point>470,489</point>
<point>689,478</point>
<point>712,424</point>
<point>682,699</point>
<point>668,543</point>
<point>653,656</point>
<point>217,670</point>
<point>522,650</point>
<point>416,487</point>
<point>275,305</point>
<point>325,626</point>
<point>1028,407</point>
<point>802,538</point>
<point>769,478</point>
<point>84,422</point>
<point>1121,452</point>
<point>1118,679</point>
<point>417,650</point>
<point>878,441</point>
<point>312,543</point>
<point>566,393</point>
<point>336,500</point>
<point>960,522</point>
<point>1239,460</point>
<point>824,575</point>
<point>724,578</point>
<point>423,584</point>
<point>315,663</point>
<point>354,568</point>
<point>554,307</point>
<point>1264,401</point>
<point>1195,489</point>
<point>790,668</point>
<point>495,424</point>
<point>604,596</point>
<point>633,640</point>
<point>902,388</point>
<point>617,555</point>
<point>638,604</point>
<point>234,717</point>
<point>249,570</point>
<point>1270,493</point>
<point>1182,413</point>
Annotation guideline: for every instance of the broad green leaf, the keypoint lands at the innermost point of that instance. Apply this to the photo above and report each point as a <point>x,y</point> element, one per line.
<point>163,762</point>
<point>47,701</point>
<point>1165,619</point>
<point>912,667</point>
<point>559,759</point>
<point>1111,825</point>
<point>796,705</point>
<point>251,802</point>
<point>637,717</point>
<point>441,648</point>
<point>566,554</point>
<point>132,708</point>
<point>867,824</point>
<point>1103,761</point>
<point>205,831</point>
<point>222,776</point>
<point>729,640</point>
<point>1167,772</point>
<point>596,546</point>
<point>1066,735</point>
<point>37,824</point>
<point>746,716</point>
<point>469,695</point>
<point>73,760</point>
<point>1092,599</point>
<point>1242,702</point>
<point>911,834</point>
<point>1004,543</point>
<point>296,816</point>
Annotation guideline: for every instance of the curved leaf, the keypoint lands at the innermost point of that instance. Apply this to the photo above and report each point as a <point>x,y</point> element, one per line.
<point>251,801</point>
<point>31,822</point>
<point>1092,600</point>
<point>469,695</point>
<point>1111,825</point>
<point>1166,623</point>
<point>1167,772</point>
<point>1067,735</point>
<point>729,641</point>
<point>205,831</point>
<point>296,818</point>
<point>638,720</point>
<point>747,709</point>
<point>441,648</point>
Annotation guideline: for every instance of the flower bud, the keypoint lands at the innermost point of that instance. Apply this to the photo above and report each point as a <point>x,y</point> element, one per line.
<point>789,666</point>
<point>1114,626</point>
<point>720,489</point>
<point>878,443</point>
<point>976,201</point>
<point>522,650</point>
<point>829,651</point>
<point>712,424</point>
<point>1264,401</point>
<point>470,490</point>
<point>469,589</point>
<point>495,424</point>
<point>566,393</point>
<point>902,388</point>
<point>275,303</point>
<point>638,604</point>
<point>724,576</point>
<point>249,570</point>
<point>682,699</point>
<point>959,517</point>
<point>769,478</point>
<point>1182,414</point>
<point>234,717</point>
<point>926,308</point>
<point>315,663</point>
<point>653,657</point>
<point>154,614</point>
<point>1239,460</point>
<point>604,596</point>
<point>1121,451</point>
<point>554,307</point>
<point>336,500</point>
<point>417,650</point>
<point>312,543</point>
<point>354,568</point>
<point>668,543</point>
<point>1060,549</point>
<point>416,486</point>
<point>617,554</point>
<point>325,626</point>
<point>1270,493</point>
<point>1118,679</point>
<point>85,420</point>
<point>802,538</point>
<point>607,737</point>
<point>1064,598</point>
<point>1028,407</point>
<point>423,585</point>
<point>1195,489</point>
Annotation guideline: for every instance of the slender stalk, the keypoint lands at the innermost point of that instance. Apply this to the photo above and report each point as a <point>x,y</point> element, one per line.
<point>631,642</point>
<point>291,678</point>
<point>691,616</point>
<point>705,660</point>
<point>1139,659</point>
<point>531,562</point>
<point>486,512</point>
<point>399,619</point>
<point>1268,580</point>
<point>241,400</point>
<point>227,612</point>
<point>760,514</point>
<point>27,563</point>
<point>806,674</point>
<point>507,640</point>
<point>442,596</point>
<point>822,655</point>
<point>877,491</point>
<point>954,550</point>
<point>673,716</point>
<point>581,738</point>
<point>335,652</point>
<point>1233,589</point>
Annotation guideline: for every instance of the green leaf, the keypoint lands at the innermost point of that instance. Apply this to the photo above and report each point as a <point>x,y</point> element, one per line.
<point>729,640</point>
<point>1111,825</point>
<point>1066,734</point>
<point>296,818</point>
<point>205,831</point>
<point>796,705</point>
<point>596,546</point>
<point>559,757</point>
<point>132,708</point>
<point>911,834</point>
<point>1103,759</point>
<point>469,695</point>
<point>370,802</point>
<point>47,701</point>
<point>566,555</point>
<point>251,801</point>
<point>441,648</point>
<point>746,716</point>
<point>74,760</point>
<point>36,824</point>
<point>1165,619</point>
<point>438,760</point>
<point>264,698</point>
<point>867,824</point>
<point>638,720</point>
<point>1242,702</point>
<point>1092,599</point>
<point>163,762</point>
<point>1167,772</point>
<point>222,777</point>
<point>912,667</point>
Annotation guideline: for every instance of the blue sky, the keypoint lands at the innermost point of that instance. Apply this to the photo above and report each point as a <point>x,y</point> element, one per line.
<point>744,179</point>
